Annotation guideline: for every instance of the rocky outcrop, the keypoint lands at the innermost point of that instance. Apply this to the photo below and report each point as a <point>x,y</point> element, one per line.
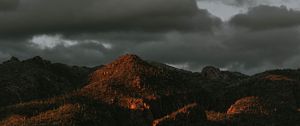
<point>211,72</point>
<point>251,105</point>
<point>260,111</point>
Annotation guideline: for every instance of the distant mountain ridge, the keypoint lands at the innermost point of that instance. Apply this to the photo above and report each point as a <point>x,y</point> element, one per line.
<point>133,92</point>
<point>36,78</point>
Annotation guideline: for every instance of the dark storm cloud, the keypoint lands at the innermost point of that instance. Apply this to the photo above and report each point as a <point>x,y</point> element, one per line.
<point>254,49</point>
<point>231,48</point>
<point>6,5</point>
<point>75,16</point>
<point>169,31</point>
<point>267,17</point>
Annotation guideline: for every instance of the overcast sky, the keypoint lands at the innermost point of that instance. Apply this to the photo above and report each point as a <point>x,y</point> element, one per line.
<point>239,35</point>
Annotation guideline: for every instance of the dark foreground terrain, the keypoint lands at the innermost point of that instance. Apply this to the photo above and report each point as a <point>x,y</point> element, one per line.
<point>133,92</point>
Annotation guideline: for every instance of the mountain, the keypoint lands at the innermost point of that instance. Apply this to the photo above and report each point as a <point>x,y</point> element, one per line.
<point>131,91</point>
<point>36,78</point>
<point>135,84</point>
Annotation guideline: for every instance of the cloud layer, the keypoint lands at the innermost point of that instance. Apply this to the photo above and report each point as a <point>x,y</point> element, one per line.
<point>252,3</point>
<point>176,32</point>
<point>6,5</point>
<point>267,17</point>
<point>75,16</point>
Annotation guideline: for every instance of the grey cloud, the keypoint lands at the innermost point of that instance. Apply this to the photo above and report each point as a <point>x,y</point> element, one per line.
<point>87,54</point>
<point>231,48</point>
<point>174,33</point>
<point>267,17</point>
<point>7,5</point>
<point>253,3</point>
<point>255,49</point>
<point>83,53</point>
<point>245,51</point>
<point>241,2</point>
<point>237,2</point>
<point>75,16</point>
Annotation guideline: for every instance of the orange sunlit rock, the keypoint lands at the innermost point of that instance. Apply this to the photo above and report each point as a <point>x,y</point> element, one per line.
<point>249,105</point>
<point>133,107</point>
<point>189,113</point>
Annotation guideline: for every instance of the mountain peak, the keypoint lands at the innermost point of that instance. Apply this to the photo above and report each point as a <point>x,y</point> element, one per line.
<point>132,83</point>
<point>38,60</point>
<point>210,68</point>
<point>128,62</point>
<point>128,69</point>
<point>12,60</point>
<point>211,72</point>
<point>129,58</point>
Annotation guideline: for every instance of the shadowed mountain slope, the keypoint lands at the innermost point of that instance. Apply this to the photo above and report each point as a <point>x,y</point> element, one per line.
<point>37,78</point>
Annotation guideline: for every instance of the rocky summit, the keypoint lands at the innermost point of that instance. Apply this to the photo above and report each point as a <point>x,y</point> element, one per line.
<point>131,91</point>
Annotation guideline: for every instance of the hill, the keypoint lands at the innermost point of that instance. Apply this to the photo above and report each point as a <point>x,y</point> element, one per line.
<point>131,91</point>
<point>36,78</point>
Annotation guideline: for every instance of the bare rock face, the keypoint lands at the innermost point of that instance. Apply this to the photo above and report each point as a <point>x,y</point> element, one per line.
<point>213,73</point>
